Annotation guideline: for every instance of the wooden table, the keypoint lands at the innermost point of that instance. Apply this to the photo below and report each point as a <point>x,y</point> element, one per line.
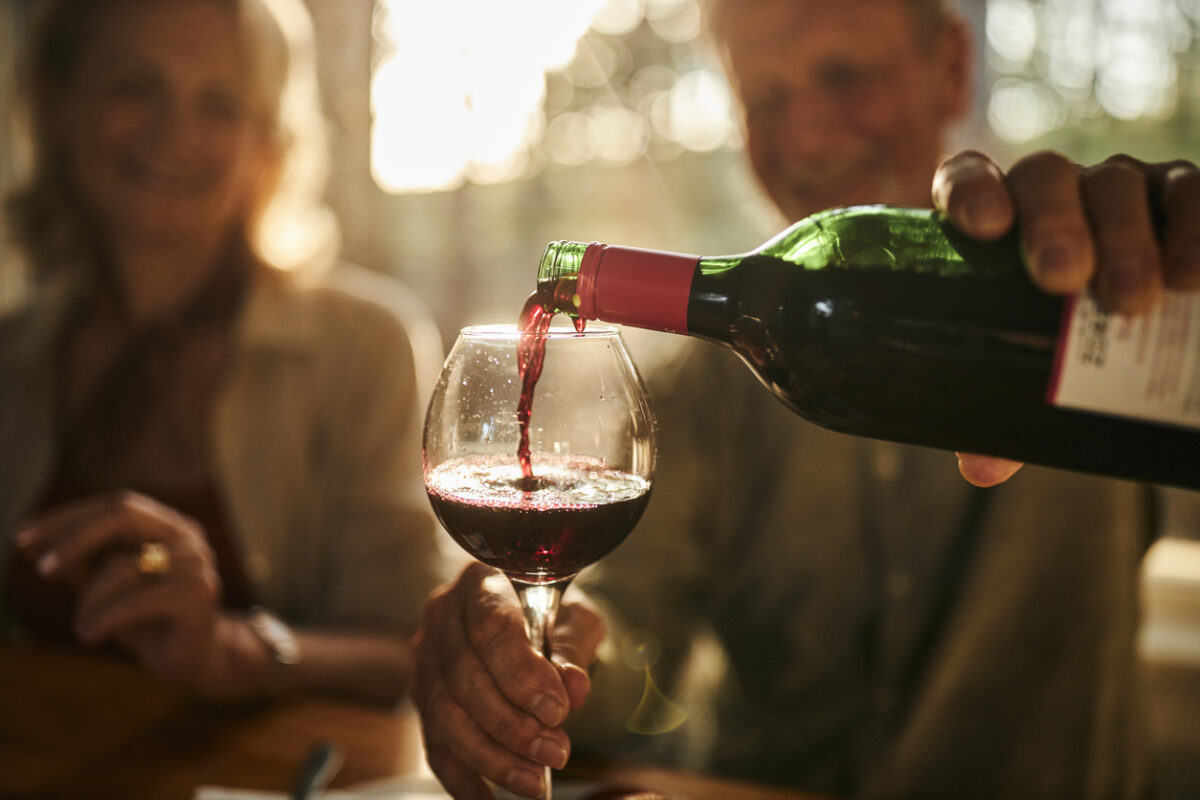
<point>76,725</point>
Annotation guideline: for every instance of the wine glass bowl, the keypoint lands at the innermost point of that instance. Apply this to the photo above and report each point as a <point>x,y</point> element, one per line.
<point>590,441</point>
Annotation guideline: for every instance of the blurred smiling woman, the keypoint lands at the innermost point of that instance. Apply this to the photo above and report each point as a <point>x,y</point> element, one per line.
<point>190,433</point>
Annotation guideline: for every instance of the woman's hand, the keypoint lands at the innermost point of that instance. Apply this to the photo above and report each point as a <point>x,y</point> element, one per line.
<point>1080,227</point>
<point>491,706</point>
<point>146,578</point>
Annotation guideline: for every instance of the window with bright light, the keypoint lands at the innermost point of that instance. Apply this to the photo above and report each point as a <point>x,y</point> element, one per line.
<point>485,92</point>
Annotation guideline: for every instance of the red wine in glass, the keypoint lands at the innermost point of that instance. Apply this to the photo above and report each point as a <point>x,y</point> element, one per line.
<point>578,511</point>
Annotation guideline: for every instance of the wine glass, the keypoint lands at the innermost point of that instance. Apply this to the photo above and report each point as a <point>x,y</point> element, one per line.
<point>583,474</point>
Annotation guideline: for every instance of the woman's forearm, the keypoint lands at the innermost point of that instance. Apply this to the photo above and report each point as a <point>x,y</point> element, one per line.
<point>368,667</point>
<point>374,668</point>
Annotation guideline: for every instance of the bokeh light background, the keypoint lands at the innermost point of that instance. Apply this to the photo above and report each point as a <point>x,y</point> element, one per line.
<point>467,133</point>
<point>494,127</point>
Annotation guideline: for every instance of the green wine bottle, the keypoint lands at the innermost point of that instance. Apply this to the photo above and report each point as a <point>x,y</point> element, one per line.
<point>886,322</point>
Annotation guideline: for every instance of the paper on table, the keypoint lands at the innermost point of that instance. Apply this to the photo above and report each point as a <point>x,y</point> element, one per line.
<point>419,788</point>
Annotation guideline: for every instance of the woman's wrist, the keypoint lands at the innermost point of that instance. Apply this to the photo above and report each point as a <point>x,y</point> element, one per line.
<point>281,643</point>
<point>242,666</point>
<point>376,668</point>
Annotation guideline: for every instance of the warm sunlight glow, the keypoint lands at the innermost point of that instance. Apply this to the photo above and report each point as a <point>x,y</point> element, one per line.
<point>1019,110</point>
<point>1137,76</point>
<point>459,92</point>
<point>1060,62</point>
<point>458,87</point>
<point>1011,29</point>
<point>702,112</point>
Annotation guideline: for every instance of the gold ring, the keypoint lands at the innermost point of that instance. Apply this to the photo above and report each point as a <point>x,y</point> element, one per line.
<point>154,559</point>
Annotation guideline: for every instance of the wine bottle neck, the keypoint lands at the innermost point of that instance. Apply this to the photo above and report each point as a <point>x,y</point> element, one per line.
<point>713,303</point>
<point>631,286</point>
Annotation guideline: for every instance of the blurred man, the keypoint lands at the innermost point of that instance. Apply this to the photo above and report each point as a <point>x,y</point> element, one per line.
<point>889,630</point>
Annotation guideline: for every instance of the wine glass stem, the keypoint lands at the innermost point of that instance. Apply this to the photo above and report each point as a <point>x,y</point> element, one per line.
<point>540,601</point>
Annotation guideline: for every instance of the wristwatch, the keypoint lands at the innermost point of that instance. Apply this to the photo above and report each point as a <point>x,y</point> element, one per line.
<point>277,638</point>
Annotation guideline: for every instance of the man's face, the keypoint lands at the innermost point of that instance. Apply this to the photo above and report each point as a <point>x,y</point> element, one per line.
<point>842,104</point>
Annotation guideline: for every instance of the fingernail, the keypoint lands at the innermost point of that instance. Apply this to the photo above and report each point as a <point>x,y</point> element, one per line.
<point>548,710</point>
<point>549,752</point>
<point>1183,262</point>
<point>1122,277</point>
<point>48,564</point>
<point>985,213</point>
<point>1054,259</point>
<point>25,537</point>
<point>526,783</point>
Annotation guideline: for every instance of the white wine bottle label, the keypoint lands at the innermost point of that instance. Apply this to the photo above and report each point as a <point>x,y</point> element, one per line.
<point>1146,367</point>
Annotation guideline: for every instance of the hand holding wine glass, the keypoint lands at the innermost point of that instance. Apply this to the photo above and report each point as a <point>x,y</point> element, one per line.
<point>491,706</point>
<point>539,493</point>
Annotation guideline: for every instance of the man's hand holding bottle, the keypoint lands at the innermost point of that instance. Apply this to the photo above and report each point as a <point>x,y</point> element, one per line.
<point>1080,227</point>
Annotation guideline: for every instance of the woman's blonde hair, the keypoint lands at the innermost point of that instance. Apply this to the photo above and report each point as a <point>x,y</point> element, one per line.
<point>288,225</point>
